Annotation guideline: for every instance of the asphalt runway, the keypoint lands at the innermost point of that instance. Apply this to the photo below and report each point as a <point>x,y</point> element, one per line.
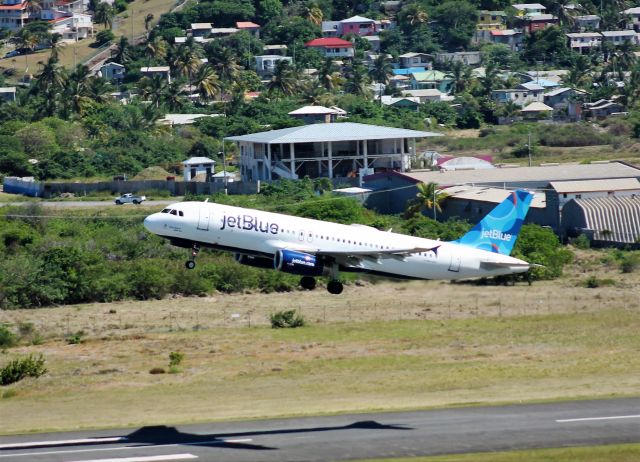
<point>345,437</point>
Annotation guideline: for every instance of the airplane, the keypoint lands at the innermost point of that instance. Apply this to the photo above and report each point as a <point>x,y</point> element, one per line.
<point>312,248</point>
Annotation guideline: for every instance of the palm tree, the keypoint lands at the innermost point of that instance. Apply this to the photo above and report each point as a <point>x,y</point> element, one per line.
<point>99,89</point>
<point>461,76</point>
<point>173,96</point>
<point>357,81</point>
<point>155,49</point>
<point>284,79</point>
<point>207,82</point>
<point>186,61</point>
<point>414,15</point>
<point>381,69</point>
<point>34,6</point>
<point>25,39</point>
<point>314,14</point>
<point>51,78</point>
<point>121,53</point>
<point>226,65</point>
<point>153,89</point>
<point>428,197</point>
<point>104,14</point>
<point>57,45</point>
<point>491,79</point>
<point>314,93</point>
<point>328,75</point>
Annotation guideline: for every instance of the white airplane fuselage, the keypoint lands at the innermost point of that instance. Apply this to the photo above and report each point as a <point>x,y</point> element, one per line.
<point>262,234</point>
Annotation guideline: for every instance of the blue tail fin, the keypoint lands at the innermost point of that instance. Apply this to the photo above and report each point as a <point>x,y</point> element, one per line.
<point>498,231</point>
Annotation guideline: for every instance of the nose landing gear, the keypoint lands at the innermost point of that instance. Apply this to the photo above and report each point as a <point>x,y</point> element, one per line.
<point>191,262</point>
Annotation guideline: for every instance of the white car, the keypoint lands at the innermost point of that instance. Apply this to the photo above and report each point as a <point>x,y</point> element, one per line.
<point>130,199</point>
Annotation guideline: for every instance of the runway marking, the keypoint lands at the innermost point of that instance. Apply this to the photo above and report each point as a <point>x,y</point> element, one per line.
<point>34,444</point>
<point>586,419</point>
<point>145,458</point>
<point>121,448</point>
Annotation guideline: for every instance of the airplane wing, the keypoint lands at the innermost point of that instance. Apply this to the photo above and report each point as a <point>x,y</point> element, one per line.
<point>353,254</point>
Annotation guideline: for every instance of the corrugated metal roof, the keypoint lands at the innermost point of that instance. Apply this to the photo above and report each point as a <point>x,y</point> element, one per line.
<point>614,219</point>
<point>617,184</point>
<point>492,195</point>
<point>529,174</point>
<point>348,131</point>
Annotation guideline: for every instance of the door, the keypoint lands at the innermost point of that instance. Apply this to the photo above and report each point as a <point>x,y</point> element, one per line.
<point>203,219</point>
<point>455,263</point>
<point>301,235</point>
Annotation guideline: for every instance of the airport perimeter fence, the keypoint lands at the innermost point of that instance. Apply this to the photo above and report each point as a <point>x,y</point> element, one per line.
<point>128,319</point>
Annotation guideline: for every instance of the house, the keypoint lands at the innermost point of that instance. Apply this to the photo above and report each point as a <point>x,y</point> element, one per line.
<point>634,14</point>
<point>536,92</point>
<point>427,95</point>
<point>536,110</point>
<point>14,14</point>
<point>412,60</point>
<point>513,38</point>
<point>196,166</point>
<point>162,71</point>
<point>358,25</point>
<point>618,187</point>
<point>405,102</point>
<point>589,22</point>
<point>331,29</point>
<point>112,71</point>
<point>250,27</point>
<point>529,9</point>
<point>430,79</point>
<point>566,99</point>
<point>374,42</point>
<point>266,64</point>
<point>602,109</point>
<point>325,150</point>
<point>74,26</point>
<point>618,37</point>
<point>332,47</point>
<point>491,20</point>
<point>218,32</point>
<point>201,29</point>
<point>538,22</point>
<point>470,58</point>
<point>275,50</point>
<point>400,82</point>
<point>547,78</point>
<point>8,94</point>
<point>583,42</point>
<point>315,114</point>
<point>518,96</point>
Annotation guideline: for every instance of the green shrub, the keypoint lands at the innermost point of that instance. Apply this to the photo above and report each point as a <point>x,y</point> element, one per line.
<point>630,263</point>
<point>20,368</point>
<point>7,338</point>
<point>287,318</point>
<point>75,338</point>
<point>175,358</point>
<point>581,242</point>
<point>592,282</point>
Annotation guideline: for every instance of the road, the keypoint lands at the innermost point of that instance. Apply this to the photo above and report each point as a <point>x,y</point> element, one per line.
<point>89,204</point>
<point>395,434</point>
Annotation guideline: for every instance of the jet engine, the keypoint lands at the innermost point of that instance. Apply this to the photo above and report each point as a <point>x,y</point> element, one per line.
<point>300,263</point>
<point>251,260</point>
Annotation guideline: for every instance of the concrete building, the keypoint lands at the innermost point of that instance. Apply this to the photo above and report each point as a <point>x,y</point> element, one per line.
<point>325,150</point>
<point>14,14</point>
<point>198,165</point>
<point>589,189</point>
<point>513,38</point>
<point>583,42</point>
<point>470,58</point>
<point>162,71</point>
<point>491,20</point>
<point>201,29</point>
<point>634,14</point>
<point>409,60</point>
<point>529,9</point>
<point>428,95</point>
<point>315,114</point>
<point>332,47</point>
<point>618,37</point>
<point>588,22</point>
<point>112,71</point>
<point>266,64</point>
<point>539,22</point>
<point>250,27</point>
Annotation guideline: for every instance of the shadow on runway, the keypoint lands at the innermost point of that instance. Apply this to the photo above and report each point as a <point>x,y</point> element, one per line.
<point>162,435</point>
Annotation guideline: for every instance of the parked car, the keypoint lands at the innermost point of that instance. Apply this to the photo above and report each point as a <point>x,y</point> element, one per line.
<point>130,199</point>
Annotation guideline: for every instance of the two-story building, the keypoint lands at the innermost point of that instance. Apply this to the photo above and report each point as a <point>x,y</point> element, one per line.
<point>538,22</point>
<point>583,42</point>
<point>529,9</point>
<point>14,14</point>
<point>588,22</point>
<point>634,15</point>
<point>411,60</point>
<point>618,37</point>
<point>112,72</point>
<point>513,38</point>
<point>73,26</point>
<point>430,79</point>
<point>332,47</point>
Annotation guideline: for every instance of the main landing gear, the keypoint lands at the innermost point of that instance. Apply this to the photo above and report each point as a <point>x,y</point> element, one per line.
<point>191,262</point>
<point>308,282</point>
<point>335,287</point>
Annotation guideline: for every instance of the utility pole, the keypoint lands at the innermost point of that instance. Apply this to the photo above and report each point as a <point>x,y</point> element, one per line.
<point>434,203</point>
<point>529,148</point>
<point>132,36</point>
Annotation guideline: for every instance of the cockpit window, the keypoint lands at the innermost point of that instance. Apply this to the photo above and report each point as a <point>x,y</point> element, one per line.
<point>173,212</point>
<point>181,213</point>
<point>166,211</point>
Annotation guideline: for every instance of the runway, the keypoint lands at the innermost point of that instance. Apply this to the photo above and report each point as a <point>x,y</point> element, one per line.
<point>346,437</point>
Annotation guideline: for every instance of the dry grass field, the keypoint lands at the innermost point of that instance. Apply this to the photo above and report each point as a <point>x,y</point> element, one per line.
<point>379,346</point>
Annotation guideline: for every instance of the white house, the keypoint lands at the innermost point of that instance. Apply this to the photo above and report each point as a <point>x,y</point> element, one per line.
<point>201,29</point>
<point>333,47</point>
<point>409,60</point>
<point>618,37</point>
<point>634,13</point>
<point>266,64</point>
<point>162,71</point>
<point>583,42</point>
<point>198,165</point>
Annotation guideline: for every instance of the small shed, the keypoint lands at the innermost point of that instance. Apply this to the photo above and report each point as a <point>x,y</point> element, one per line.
<point>536,110</point>
<point>8,93</point>
<point>196,166</point>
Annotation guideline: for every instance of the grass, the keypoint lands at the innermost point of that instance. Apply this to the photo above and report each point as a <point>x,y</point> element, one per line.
<point>612,453</point>
<point>409,349</point>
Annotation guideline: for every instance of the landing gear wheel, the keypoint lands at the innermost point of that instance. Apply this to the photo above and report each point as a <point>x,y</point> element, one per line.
<point>190,264</point>
<point>335,287</point>
<point>308,282</point>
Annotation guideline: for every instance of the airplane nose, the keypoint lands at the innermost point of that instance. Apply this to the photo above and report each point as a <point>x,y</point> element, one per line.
<point>151,223</point>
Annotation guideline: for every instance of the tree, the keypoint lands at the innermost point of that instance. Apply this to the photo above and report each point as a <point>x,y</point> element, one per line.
<point>313,14</point>
<point>51,78</point>
<point>328,75</point>
<point>155,49</point>
<point>153,89</point>
<point>104,14</point>
<point>121,53</point>
<point>207,82</point>
<point>357,82</point>
<point>461,76</point>
<point>284,80</point>
<point>25,39</point>
<point>381,69</point>
<point>147,22</point>
<point>491,79</point>
<point>57,45</point>
<point>226,66</point>
<point>428,197</point>
<point>455,23</point>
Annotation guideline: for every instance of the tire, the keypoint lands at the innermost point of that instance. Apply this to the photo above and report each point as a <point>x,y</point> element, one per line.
<point>118,202</point>
<point>335,287</point>
<point>308,282</point>
<point>136,202</point>
<point>190,264</point>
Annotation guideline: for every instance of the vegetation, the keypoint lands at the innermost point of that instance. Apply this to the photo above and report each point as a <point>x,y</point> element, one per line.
<point>20,368</point>
<point>286,318</point>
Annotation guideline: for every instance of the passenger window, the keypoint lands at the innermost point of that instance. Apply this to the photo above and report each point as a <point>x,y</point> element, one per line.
<point>181,213</point>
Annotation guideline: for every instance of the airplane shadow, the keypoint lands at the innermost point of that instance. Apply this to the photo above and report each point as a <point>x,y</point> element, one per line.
<point>163,435</point>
